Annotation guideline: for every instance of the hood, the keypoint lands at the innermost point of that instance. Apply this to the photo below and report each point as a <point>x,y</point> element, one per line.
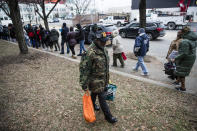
<point>190,36</point>
<point>143,35</point>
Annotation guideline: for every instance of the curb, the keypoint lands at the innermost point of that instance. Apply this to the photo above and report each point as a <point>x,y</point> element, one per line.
<point>143,79</point>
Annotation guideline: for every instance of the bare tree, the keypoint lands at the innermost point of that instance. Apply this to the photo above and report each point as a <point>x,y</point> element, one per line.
<point>43,15</point>
<point>142,10</point>
<point>13,12</point>
<point>81,6</point>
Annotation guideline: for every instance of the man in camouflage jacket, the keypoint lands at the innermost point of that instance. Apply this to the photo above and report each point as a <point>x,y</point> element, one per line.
<point>94,73</point>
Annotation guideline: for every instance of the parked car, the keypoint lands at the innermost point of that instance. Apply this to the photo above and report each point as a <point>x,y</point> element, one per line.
<point>101,27</point>
<point>118,20</point>
<point>53,20</point>
<point>153,30</point>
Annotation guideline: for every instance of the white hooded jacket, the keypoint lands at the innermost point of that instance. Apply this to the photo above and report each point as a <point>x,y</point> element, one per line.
<point>117,47</point>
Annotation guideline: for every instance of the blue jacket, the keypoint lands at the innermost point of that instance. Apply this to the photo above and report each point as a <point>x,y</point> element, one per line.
<point>141,44</point>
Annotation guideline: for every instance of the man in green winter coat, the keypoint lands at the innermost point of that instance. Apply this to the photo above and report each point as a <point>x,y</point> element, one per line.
<point>186,56</point>
<point>94,73</point>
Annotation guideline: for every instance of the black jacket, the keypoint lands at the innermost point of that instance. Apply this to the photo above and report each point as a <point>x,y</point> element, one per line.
<point>80,35</point>
<point>64,33</point>
<point>54,35</point>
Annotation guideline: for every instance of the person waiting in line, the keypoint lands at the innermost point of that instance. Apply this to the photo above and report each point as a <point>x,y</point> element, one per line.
<point>12,32</point>
<point>174,45</point>
<point>64,33</point>
<point>186,56</point>
<point>1,31</point>
<point>92,34</point>
<point>81,38</point>
<point>31,34</point>
<point>71,37</point>
<point>117,49</point>
<point>172,53</point>
<point>42,35</point>
<point>141,47</point>
<point>54,37</point>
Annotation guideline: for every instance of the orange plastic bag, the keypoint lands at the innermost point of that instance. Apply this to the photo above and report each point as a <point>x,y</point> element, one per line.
<point>88,110</point>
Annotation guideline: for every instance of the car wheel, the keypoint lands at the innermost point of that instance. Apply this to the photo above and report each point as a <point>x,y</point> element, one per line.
<point>150,36</point>
<point>119,23</point>
<point>123,34</point>
<point>171,26</point>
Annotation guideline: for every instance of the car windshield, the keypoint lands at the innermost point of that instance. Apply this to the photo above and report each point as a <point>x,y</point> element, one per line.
<point>110,28</point>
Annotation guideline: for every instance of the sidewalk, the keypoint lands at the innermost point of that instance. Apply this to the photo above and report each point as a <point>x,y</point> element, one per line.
<point>39,91</point>
<point>155,68</point>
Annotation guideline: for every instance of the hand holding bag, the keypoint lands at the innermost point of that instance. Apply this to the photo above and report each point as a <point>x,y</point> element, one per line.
<point>124,56</point>
<point>88,109</point>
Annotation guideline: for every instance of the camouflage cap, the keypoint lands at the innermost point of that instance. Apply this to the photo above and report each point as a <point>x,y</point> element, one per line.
<point>102,36</point>
<point>185,29</point>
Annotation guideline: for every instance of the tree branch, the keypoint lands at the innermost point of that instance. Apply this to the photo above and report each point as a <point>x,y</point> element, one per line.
<point>52,8</point>
<point>2,6</point>
<point>37,11</point>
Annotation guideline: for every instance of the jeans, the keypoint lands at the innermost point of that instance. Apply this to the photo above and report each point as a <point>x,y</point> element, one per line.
<point>82,47</point>
<point>33,42</point>
<point>27,42</point>
<point>141,63</point>
<point>62,46</point>
<point>102,103</point>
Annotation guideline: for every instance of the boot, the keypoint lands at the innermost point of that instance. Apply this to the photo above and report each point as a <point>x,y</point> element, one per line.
<point>182,80</point>
<point>183,84</point>
<point>74,57</point>
<point>111,119</point>
<point>96,107</point>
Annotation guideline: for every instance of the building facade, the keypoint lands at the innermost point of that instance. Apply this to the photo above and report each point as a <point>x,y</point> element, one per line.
<point>28,13</point>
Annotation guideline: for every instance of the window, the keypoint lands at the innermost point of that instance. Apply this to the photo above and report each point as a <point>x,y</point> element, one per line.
<point>5,18</point>
<point>105,18</point>
<point>134,25</point>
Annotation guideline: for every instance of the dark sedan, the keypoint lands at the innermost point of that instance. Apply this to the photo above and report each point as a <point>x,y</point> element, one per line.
<point>108,29</point>
<point>153,30</point>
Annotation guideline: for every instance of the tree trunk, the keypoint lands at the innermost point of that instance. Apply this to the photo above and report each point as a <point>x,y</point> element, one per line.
<point>17,23</point>
<point>142,10</point>
<point>46,24</point>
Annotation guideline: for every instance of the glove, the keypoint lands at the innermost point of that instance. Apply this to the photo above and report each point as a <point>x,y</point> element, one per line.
<point>85,88</point>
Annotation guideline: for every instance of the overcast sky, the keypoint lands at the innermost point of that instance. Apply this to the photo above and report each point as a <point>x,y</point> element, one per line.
<point>105,4</point>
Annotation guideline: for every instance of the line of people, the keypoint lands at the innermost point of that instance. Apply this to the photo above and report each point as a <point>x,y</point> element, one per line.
<point>8,33</point>
<point>38,37</point>
<point>182,55</point>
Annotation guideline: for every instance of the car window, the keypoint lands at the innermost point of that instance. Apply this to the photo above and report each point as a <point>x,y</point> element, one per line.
<point>134,25</point>
<point>151,24</point>
<point>111,28</point>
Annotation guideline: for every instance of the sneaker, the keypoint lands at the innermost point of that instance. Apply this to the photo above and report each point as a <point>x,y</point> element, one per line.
<point>61,53</point>
<point>114,65</point>
<point>79,55</point>
<point>134,69</point>
<point>180,89</point>
<point>144,74</point>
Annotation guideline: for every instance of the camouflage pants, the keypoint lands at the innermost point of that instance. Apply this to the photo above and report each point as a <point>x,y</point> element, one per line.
<point>118,56</point>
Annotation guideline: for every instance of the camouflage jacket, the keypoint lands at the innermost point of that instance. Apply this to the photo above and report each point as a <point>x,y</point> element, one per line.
<point>94,69</point>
